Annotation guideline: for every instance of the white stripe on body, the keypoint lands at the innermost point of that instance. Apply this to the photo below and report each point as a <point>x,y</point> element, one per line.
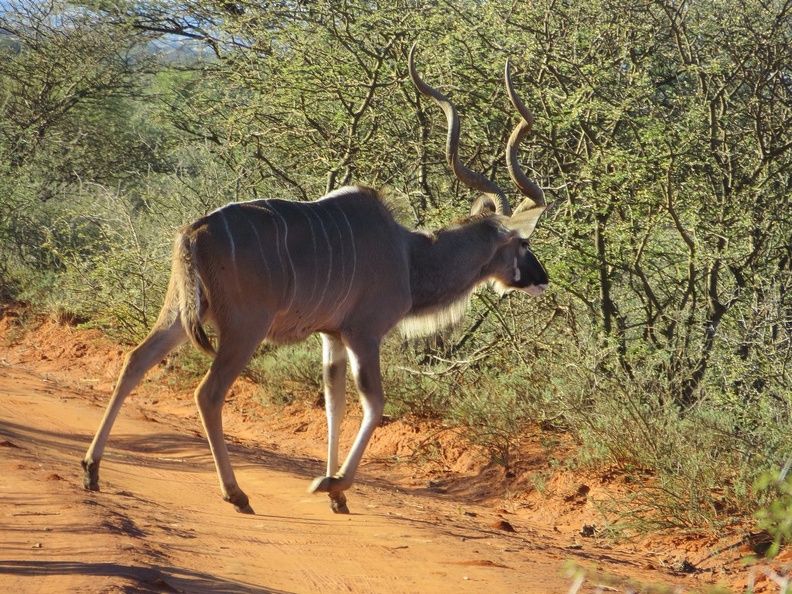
<point>354,255</point>
<point>313,243</point>
<point>233,249</point>
<point>315,214</point>
<point>334,194</point>
<point>266,256</point>
<point>343,254</point>
<point>286,249</point>
<point>320,301</point>
<point>262,253</point>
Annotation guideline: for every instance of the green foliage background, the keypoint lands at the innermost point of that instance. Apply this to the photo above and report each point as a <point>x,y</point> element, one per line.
<point>663,134</point>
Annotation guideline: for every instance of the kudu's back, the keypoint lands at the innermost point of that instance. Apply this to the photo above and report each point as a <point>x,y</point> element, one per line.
<point>289,269</point>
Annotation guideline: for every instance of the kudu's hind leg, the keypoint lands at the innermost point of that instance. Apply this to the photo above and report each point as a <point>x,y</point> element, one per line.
<point>166,335</point>
<point>366,369</point>
<point>232,356</point>
<point>334,375</point>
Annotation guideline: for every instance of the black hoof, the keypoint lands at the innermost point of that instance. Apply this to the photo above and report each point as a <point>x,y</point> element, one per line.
<point>339,505</point>
<point>245,510</point>
<point>332,486</point>
<point>240,502</point>
<point>90,476</point>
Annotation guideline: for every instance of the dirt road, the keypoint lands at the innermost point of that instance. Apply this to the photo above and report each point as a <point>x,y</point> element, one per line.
<point>159,525</point>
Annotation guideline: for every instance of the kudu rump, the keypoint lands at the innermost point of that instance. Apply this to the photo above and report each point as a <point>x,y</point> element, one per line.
<point>342,266</point>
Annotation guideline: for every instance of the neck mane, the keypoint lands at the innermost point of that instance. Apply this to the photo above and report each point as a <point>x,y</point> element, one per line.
<point>445,269</point>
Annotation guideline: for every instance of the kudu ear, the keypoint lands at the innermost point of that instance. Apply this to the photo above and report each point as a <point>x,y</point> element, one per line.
<point>483,204</point>
<point>524,220</point>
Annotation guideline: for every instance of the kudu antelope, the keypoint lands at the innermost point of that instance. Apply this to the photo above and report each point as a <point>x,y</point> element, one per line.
<point>342,266</point>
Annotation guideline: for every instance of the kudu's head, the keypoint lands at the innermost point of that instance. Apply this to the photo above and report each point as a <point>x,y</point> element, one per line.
<point>520,268</point>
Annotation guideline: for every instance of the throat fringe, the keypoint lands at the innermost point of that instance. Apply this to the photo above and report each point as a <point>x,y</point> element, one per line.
<point>434,322</point>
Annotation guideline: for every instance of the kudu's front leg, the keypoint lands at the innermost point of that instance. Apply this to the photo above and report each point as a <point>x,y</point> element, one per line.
<point>366,369</point>
<point>334,376</point>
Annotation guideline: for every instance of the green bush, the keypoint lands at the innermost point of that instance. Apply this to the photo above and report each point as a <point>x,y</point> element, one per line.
<point>288,373</point>
<point>776,516</point>
<point>115,261</point>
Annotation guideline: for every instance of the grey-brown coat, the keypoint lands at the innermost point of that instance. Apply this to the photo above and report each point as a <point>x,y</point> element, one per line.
<point>342,266</point>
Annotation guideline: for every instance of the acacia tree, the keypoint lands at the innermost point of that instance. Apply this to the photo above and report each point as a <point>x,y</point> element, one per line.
<point>66,82</point>
<point>662,133</point>
<point>670,137</point>
<point>296,93</point>
<point>66,74</point>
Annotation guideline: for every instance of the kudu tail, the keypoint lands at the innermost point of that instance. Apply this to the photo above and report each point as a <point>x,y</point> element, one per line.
<point>186,284</point>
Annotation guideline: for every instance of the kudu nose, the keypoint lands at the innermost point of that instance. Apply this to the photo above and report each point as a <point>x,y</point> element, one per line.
<point>536,290</point>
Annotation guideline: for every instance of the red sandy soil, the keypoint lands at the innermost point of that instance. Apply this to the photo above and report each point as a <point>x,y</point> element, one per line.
<point>429,512</point>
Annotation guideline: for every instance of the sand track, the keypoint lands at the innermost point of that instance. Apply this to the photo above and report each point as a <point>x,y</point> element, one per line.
<point>159,525</point>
